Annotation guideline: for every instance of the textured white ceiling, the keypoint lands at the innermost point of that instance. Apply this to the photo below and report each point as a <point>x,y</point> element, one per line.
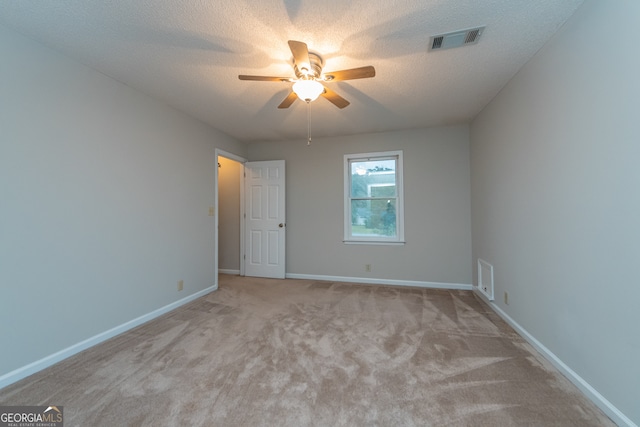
<point>188,54</point>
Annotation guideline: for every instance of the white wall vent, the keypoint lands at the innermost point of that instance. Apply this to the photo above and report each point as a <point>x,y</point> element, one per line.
<point>485,278</point>
<point>455,39</point>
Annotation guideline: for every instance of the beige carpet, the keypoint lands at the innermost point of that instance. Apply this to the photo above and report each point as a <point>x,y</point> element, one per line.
<point>262,352</point>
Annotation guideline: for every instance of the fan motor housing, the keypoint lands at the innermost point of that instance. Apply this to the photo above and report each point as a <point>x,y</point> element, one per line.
<point>316,67</point>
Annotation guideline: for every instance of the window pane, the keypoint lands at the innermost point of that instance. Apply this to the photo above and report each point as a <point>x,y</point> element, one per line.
<point>368,177</point>
<point>382,190</point>
<point>373,218</point>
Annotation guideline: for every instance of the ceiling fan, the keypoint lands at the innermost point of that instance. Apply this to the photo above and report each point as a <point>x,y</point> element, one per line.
<point>307,83</point>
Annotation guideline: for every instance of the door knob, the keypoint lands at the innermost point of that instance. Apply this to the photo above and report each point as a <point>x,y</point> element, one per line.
<point>281,225</point>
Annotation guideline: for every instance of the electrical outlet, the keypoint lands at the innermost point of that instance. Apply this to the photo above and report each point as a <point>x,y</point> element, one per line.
<point>367,267</point>
<point>506,297</point>
<point>180,285</point>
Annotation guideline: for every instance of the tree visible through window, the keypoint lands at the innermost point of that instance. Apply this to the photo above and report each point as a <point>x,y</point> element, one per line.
<point>373,196</point>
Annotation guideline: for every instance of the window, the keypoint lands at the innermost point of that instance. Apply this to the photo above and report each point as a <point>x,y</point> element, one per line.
<point>373,198</point>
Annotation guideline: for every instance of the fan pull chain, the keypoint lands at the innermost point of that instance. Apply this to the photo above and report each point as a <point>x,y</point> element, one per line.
<point>308,123</point>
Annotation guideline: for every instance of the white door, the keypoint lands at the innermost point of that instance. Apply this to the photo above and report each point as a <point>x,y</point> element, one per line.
<point>265,219</point>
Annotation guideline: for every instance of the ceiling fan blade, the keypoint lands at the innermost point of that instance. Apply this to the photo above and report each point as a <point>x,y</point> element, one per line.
<point>334,98</point>
<point>351,74</point>
<point>300,53</point>
<point>264,78</point>
<point>288,100</point>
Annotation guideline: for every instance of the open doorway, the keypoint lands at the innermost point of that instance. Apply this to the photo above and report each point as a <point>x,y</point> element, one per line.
<point>229,202</point>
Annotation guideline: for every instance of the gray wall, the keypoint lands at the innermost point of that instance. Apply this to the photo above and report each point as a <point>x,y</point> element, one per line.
<point>437,206</point>
<point>229,183</point>
<point>556,202</point>
<point>105,196</point>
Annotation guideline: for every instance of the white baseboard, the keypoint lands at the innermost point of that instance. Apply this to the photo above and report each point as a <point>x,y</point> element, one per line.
<point>228,271</point>
<point>54,358</point>
<point>373,281</point>
<point>607,407</point>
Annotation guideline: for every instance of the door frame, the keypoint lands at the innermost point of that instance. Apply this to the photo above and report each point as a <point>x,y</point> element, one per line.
<point>221,153</point>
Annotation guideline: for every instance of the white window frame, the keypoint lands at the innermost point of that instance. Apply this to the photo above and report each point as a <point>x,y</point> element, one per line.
<point>398,239</point>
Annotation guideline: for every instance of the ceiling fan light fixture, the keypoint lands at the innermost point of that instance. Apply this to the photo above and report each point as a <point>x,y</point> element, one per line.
<point>308,90</point>
<point>308,82</point>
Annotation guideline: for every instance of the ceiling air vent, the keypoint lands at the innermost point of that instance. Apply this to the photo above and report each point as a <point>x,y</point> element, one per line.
<point>455,39</point>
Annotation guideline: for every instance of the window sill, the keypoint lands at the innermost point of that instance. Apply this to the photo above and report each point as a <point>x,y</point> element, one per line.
<point>373,242</point>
